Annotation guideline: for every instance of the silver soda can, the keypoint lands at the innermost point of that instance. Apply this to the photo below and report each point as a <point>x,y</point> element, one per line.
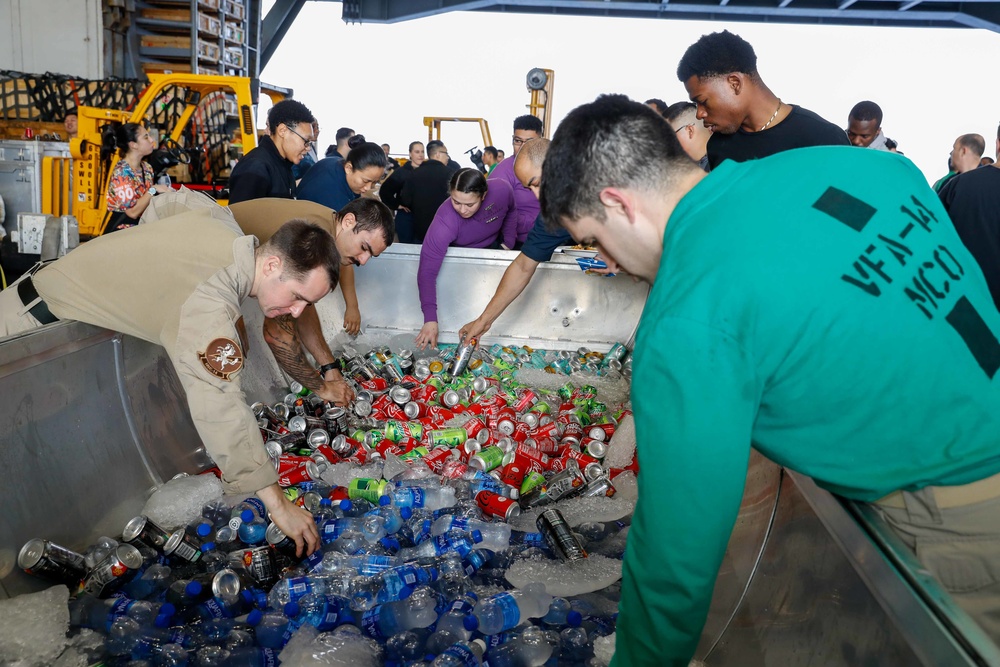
<point>362,408</point>
<point>479,385</point>
<point>599,486</point>
<point>141,531</point>
<point>281,411</point>
<point>530,418</point>
<point>597,449</point>
<point>279,541</point>
<point>597,433</point>
<point>422,372</point>
<point>463,355</point>
<point>182,546</point>
<point>559,536</point>
<point>53,562</point>
<point>336,419</point>
<point>317,437</point>
<point>451,398</point>
<point>273,449</point>
<point>400,395</point>
<point>114,571</point>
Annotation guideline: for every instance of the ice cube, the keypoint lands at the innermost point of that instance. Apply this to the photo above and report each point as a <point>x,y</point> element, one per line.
<point>341,474</point>
<point>179,501</point>
<point>564,579</point>
<point>344,647</point>
<point>621,447</point>
<point>33,627</point>
<point>604,650</point>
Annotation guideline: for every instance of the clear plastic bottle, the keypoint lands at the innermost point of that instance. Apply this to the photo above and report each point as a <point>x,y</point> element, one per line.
<point>211,560</point>
<point>370,526</point>
<point>509,609</point>
<point>153,581</point>
<point>273,630</point>
<point>495,535</point>
<point>462,654</point>
<point>292,589</point>
<point>251,656</point>
<point>385,620</point>
<point>456,623</point>
<point>529,649</point>
<point>395,517</point>
<point>454,540</point>
<point>561,614</point>
<point>252,528</point>
<point>184,593</point>
<point>89,612</point>
<point>575,645</point>
<point>324,612</point>
<point>417,497</point>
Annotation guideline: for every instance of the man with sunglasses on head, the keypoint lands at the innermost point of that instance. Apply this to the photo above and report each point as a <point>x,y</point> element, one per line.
<point>266,171</point>
<point>525,128</point>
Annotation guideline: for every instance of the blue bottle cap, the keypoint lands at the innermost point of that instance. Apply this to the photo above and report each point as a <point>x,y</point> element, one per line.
<point>208,546</point>
<point>247,516</point>
<point>253,618</point>
<point>406,513</point>
<point>390,543</point>
<point>384,500</point>
<point>292,609</point>
<point>325,502</point>
<point>247,596</point>
<point>193,588</point>
<point>162,621</point>
<point>167,609</point>
<point>204,529</point>
<point>477,536</point>
<point>470,623</point>
<point>346,504</point>
<point>574,618</point>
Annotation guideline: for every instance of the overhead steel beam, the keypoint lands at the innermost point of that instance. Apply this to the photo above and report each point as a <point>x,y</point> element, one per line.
<point>275,25</point>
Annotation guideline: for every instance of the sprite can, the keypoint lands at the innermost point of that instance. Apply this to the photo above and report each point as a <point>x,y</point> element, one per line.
<point>368,489</point>
<point>415,453</point>
<point>532,480</point>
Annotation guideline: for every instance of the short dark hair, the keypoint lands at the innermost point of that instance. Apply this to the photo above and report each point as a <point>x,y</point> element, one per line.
<point>491,150</point>
<point>412,144</point>
<point>678,109</point>
<point>331,150</point>
<point>717,54</point>
<point>468,180</point>
<point>434,147</point>
<point>303,247</point>
<point>867,110</point>
<point>290,113</point>
<point>974,142</point>
<point>366,155</point>
<point>610,142</point>
<point>529,123</point>
<point>371,214</point>
<point>344,133</point>
<point>658,104</point>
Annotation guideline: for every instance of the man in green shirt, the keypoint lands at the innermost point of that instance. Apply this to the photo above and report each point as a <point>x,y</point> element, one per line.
<point>817,305</point>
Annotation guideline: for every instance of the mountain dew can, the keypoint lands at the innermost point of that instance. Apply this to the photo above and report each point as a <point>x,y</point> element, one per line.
<point>449,437</point>
<point>396,430</point>
<point>369,489</point>
<point>418,452</point>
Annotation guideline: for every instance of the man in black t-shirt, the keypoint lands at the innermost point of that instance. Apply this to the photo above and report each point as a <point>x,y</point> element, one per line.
<point>747,120</point>
<point>972,200</point>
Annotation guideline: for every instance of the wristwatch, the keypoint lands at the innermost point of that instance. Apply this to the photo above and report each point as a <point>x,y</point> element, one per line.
<point>333,366</point>
<point>152,190</point>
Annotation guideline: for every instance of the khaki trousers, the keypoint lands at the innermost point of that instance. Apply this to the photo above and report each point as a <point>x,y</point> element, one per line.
<point>958,543</point>
<point>14,315</point>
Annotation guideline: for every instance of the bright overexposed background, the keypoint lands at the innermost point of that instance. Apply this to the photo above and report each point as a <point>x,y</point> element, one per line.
<point>933,84</point>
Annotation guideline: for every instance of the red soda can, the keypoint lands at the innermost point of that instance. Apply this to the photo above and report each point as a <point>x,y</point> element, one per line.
<point>376,384</point>
<point>548,430</point>
<point>393,411</point>
<point>415,410</point>
<point>474,427</point>
<point>494,505</point>
<point>359,457</point>
<point>606,430</point>
<point>29,133</point>
<point>532,453</point>
<point>513,473</point>
<point>307,472</point>
<point>573,430</point>
<point>439,413</point>
<point>327,453</point>
<point>583,459</point>
<point>289,462</point>
<point>408,444</point>
<point>438,456</point>
<point>339,493</point>
<point>424,393</point>
<point>520,433</point>
<point>385,447</point>
<point>544,445</point>
<point>525,400</point>
<point>381,403</point>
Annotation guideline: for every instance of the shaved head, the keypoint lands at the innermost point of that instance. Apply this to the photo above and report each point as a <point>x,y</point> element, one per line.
<point>528,164</point>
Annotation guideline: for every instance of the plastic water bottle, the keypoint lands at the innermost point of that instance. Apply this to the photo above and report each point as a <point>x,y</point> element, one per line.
<point>462,654</point>
<point>454,540</point>
<point>574,645</point>
<point>252,528</point>
<point>456,623</point>
<point>416,497</point>
<point>385,620</point>
<point>324,612</point>
<point>211,559</point>
<point>217,513</point>
<point>153,581</point>
<point>529,649</point>
<point>185,593</point>
<point>398,583</point>
<point>272,630</point>
<point>369,526</point>
<point>252,656</point>
<point>495,535</point>
<point>561,614</point>
<point>90,612</point>
<point>394,517</point>
<point>509,609</point>
<point>292,589</point>
<point>253,504</point>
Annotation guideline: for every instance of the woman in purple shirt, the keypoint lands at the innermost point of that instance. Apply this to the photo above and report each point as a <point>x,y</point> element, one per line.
<point>475,215</point>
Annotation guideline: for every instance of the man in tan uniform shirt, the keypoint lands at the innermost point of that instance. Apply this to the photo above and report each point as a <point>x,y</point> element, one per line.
<point>363,229</point>
<point>190,304</point>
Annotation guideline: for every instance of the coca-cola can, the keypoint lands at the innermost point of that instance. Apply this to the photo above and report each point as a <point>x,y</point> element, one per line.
<point>400,395</point>
<point>559,536</point>
<point>289,462</point>
<point>513,473</point>
<point>307,472</point>
<point>387,447</point>
<point>326,453</point>
<point>117,568</point>
<point>597,449</point>
<point>53,562</point>
<point>415,410</point>
<point>525,400</point>
<point>141,531</point>
<point>378,383</point>
<point>438,456</point>
<point>506,426</point>
<point>493,505</point>
<point>344,445</point>
<point>475,427</point>
<point>529,418</point>
<point>303,423</point>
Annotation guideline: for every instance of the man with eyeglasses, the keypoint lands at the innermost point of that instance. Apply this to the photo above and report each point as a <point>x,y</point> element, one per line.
<point>427,188</point>
<point>266,171</point>
<point>525,128</point>
<point>691,132</point>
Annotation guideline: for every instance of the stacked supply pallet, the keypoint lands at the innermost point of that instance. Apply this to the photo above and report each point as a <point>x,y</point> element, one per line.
<point>199,36</point>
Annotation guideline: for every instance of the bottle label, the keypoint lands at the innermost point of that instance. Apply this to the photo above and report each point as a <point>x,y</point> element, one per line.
<point>460,605</point>
<point>507,604</point>
<point>459,523</point>
<point>298,587</point>
<point>257,504</point>
<point>463,655</point>
<point>419,497</point>
<point>268,658</point>
<point>369,623</point>
<point>372,565</point>
<point>214,609</point>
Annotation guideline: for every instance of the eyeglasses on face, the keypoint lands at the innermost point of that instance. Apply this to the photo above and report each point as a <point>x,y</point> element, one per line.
<point>308,142</point>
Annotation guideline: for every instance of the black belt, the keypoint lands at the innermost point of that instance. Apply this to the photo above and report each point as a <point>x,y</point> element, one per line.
<point>40,311</point>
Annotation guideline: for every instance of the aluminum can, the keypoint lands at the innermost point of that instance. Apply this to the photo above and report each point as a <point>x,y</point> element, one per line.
<point>279,541</point>
<point>617,352</point>
<point>182,546</point>
<point>335,419</point>
<point>289,440</point>
<point>399,395</point>
<point>463,355</point>
<point>141,531</point>
<point>282,411</point>
<point>263,410</point>
<point>362,408</point>
<point>298,389</point>
<point>258,562</point>
<point>487,459</point>
<point>532,481</point>
<point>564,484</point>
<point>394,411</point>
<point>415,410</point>
<point>599,486</point>
<point>369,489</point>
<point>375,384</point>
<point>424,393</point>
<point>395,430</point>
<point>530,419</point>
<point>305,472</point>
<point>475,427</point>
<point>387,447</point>
<point>302,424</point>
<point>597,449</point>
<point>559,536</point>
<point>525,400</point>
<point>493,505</point>
<point>450,398</point>
<point>114,571</point>
<point>513,473</point>
<point>53,562</point>
<point>438,456</point>
<point>450,437</point>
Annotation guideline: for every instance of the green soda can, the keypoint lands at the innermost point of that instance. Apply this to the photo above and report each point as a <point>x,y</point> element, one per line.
<point>488,459</point>
<point>436,382</point>
<point>502,364</point>
<point>297,389</point>
<point>397,430</point>
<point>617,352</point>
<point>532,480</point>
<point>415,453</point>
<point>369,489</point>
<point>358,434</point>
<point>292,493</point>
<point>449,437</point>
<point>541,407</point>
<point>588,391</point>
<point>566,391</point>
<point>598,408</point>
<point>582,415</point>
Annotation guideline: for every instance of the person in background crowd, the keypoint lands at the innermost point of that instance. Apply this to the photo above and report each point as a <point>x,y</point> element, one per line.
<point>310,158</point>
<point>476,215</point>
<point>266,171</point>
<point>490,158</point>
<point>343,146</point>
<point>131,187</point>
<point>500,155</point>
<point>965,155</point>
<point>718,371</point>
<point>747,120</point>
<point>385,148</point>
<point>70,122</point>
<point>539,247</point>
<point>691,132</point>
<point>333,183</point>
<point>972,200</point>
<point>525,128</point>
<point>190,303</point>
<point>391,188</point>
<point>657,105</point>
<point>390,166</point>
<point>425,189</point>
<point>986,161</point>
<point>864,127</point>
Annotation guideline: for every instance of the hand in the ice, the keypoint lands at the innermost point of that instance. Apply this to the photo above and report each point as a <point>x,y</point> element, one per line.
<point>428,336</point>
<point>295,522</point>
<point>336,390</point>
<point>473,329</point>
<point>352,321</point>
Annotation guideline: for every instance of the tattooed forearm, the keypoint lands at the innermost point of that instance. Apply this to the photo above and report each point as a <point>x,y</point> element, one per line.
<point>286,346</point>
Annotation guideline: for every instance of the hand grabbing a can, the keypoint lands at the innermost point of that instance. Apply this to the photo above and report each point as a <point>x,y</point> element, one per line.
<point>352,320</point>
<point>428,336</point>
<point>295,522</point>
<point>474,329</point>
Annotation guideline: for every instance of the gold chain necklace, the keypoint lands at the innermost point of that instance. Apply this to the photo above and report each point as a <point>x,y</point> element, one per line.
<point>773,116</point>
